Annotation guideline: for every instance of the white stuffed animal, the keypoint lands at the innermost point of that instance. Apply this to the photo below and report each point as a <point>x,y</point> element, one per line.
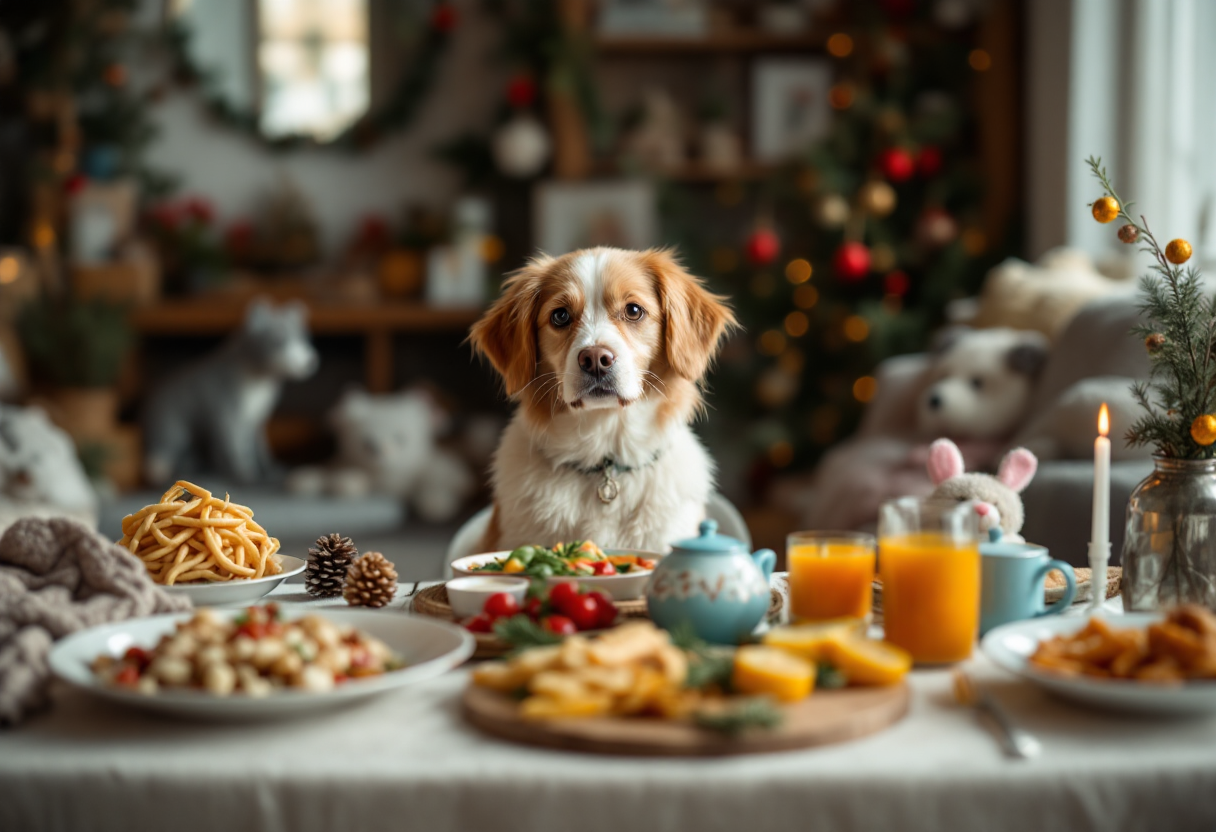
<point>38,464</point>
<point>995,499</point>
<point>980,383</point>
<point>387,443</point>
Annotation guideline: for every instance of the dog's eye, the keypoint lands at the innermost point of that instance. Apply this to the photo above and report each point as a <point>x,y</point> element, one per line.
<point>633,312</point>
<point>560,317</point>
<point>977,383</point>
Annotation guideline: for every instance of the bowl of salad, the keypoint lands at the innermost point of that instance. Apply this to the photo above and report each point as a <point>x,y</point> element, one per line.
<point>620,573</point>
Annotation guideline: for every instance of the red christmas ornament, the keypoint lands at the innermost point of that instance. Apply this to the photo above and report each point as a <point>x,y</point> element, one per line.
<point>200,210</point>
<point>521,91</point>
<point>929,160</point>
<point>897,283</point>
<point>763,246</point>
<point>852,261</point>
<point>896,164</point>
<point>443,18</point>
<point>74,184</point>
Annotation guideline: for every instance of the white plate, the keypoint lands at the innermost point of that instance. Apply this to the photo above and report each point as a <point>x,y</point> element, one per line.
<point>428,646</point>
<point>625,587</point>
<point>1011,646</point>
<point>238,590</point>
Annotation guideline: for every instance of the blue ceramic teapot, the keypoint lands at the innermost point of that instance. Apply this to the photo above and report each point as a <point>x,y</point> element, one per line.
<point>712,583</point>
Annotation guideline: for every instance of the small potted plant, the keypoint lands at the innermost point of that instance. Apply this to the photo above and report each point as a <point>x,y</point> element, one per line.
<point>1169,551</point>
<point>75,350</point>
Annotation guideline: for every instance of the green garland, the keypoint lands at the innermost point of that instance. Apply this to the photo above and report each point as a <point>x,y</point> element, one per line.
<point>396,114</point>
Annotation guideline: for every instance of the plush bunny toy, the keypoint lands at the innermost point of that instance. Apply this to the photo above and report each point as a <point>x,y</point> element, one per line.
<point>996,498</point>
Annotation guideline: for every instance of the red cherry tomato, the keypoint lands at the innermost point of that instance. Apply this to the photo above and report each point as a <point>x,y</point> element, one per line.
<point>603,567</point>
<point>480,623</point>
<point>605,610</point>
<point>584,611</point>
<point>138,656</point>
<point>127,676</point>
<point>560,624</point>
<point>534,608</point>
<point>501,605</point>
<point>562,594</point>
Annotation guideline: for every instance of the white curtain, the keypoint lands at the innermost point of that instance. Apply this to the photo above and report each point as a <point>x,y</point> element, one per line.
<point>1133,81</point>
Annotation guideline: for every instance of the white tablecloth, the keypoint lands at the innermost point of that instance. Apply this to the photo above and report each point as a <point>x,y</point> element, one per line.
<point>406,761</point>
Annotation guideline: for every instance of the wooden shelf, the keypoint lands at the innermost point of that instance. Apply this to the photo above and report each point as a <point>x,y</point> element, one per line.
<point>742,41</point>
<point>208,316</point>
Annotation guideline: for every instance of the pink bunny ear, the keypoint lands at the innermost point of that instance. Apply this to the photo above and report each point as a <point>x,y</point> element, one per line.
<point>945,461</point>
<point>1017,468</point>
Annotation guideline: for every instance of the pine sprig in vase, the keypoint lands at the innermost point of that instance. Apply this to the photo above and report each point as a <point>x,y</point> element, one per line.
<point>1180,395</point>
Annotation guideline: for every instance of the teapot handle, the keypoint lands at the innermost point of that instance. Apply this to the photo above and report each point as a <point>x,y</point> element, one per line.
<point>766,559</point>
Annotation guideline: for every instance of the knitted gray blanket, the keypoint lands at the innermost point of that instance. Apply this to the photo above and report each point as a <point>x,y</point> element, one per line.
<point>57,577</point>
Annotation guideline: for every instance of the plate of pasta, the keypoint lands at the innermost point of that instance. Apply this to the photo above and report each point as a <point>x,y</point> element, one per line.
<point>262,662</point>
<point>209,549</point>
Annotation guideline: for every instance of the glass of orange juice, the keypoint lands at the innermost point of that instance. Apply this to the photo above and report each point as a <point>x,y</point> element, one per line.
<point>929,564</point>
<point>831,575</point>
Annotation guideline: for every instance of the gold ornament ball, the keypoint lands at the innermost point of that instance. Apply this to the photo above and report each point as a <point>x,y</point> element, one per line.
<point>1178,251</point>
<point>1203,429</point>
<point>1106,209</point>
<point>1154,342</point>
<point>878,198</point>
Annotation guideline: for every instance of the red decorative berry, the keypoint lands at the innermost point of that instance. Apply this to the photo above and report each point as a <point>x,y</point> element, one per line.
<point>501,605</point>
<point>897,283</point>
<point>480,623</point>
<point>852,261</point>
<point>896,164</point>
<point>606,614</point>
<point>562,594</point>
<point>559,624</point>
<point>929,161</point>
<point>443,18</point>
<point>584,611</point>
<point>521,91</point>
<point>763,246</point>
<point>1129,234</point>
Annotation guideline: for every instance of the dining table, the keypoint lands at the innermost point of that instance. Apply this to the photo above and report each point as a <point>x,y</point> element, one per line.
<point>407,760</point>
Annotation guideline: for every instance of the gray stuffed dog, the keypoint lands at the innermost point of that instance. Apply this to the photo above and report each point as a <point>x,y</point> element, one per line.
<point>213,415</point>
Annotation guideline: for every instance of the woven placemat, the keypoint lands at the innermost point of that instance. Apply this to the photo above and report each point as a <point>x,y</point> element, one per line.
<point>433,601</point>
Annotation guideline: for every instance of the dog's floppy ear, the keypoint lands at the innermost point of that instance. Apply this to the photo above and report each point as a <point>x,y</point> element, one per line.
<point>694,319</point>
<point>506,334</point>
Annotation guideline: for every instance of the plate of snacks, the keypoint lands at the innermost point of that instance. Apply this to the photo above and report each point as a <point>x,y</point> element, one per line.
<point>257,663</point>
<point>620,573</point>
<point>208,549</point>
<point>1153,663</point>
<point>637,689</point>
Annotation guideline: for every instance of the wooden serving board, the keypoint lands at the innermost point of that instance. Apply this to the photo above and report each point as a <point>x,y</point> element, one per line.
<point>826,717</point>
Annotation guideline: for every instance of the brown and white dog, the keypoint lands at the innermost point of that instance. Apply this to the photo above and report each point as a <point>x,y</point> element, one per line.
<point>603,350</point>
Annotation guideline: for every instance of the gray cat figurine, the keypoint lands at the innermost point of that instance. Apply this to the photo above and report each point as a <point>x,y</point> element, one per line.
<point>213,414</point>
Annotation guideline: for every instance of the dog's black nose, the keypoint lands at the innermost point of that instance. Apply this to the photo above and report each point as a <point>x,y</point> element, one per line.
<point>596,360</point>
<point>935,402</point>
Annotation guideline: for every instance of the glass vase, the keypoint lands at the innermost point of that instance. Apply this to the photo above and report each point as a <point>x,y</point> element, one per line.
<point>1169,551</point>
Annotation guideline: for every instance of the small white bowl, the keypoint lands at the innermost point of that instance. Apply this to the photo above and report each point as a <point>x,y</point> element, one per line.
<point>467,596</point>
<point>239,590</point>
<point>624,587</point>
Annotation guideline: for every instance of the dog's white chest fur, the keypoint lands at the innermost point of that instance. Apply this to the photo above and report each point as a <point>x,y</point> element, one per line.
<point>545,493</point>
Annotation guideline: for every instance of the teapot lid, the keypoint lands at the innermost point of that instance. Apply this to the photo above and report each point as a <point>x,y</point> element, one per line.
<point>709,541</point>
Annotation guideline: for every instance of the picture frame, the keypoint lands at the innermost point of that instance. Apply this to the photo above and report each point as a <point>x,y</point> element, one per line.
<point>573,215</point>
<point>790,107</point>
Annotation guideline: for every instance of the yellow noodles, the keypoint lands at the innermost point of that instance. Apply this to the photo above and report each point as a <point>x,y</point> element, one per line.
<point>199,538</point>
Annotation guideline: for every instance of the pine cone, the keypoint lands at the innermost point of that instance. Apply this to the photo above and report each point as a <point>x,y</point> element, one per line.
<point>371,581</point>
<point>327,564</point>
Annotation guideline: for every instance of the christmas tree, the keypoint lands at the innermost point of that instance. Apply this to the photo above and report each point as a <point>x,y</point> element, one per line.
<point>855,249</point>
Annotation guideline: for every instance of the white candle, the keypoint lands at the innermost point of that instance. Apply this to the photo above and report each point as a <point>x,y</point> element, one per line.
<point>1099,538</point>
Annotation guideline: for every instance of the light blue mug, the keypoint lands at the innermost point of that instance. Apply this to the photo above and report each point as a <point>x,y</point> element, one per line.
<point>1011,586</point>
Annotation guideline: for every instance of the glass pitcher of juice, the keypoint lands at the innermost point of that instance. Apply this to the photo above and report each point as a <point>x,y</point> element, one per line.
<point>831,575</point>
<point>929,563</point>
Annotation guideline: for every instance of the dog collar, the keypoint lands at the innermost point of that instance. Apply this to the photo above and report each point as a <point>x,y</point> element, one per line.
<point>609,488</point>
